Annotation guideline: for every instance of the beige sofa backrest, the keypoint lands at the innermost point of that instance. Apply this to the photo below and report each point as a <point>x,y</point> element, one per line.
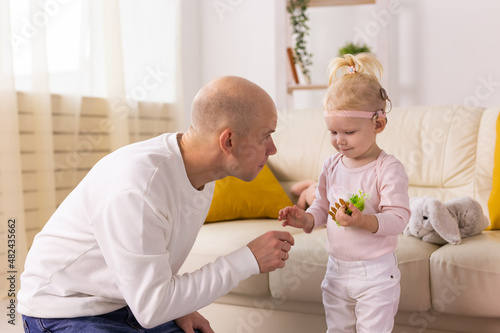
<point>447,150</point>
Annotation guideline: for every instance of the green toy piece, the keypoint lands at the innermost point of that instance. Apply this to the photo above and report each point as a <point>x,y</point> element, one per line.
<point>357,200</point>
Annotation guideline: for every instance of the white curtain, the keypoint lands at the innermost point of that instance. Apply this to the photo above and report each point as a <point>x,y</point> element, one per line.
<point>78,79</point>
<point>13,239</point>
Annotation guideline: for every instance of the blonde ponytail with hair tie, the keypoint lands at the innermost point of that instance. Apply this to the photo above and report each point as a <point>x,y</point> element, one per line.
<point>349,64</point>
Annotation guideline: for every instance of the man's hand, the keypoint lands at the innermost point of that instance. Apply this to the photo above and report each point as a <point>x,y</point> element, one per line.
<point>194,321</point>
<point>271,250</point>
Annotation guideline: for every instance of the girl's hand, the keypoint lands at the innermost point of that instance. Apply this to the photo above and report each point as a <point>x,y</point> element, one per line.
<point>356,219</point>
<point>346,220</point>
<point>296,217</point>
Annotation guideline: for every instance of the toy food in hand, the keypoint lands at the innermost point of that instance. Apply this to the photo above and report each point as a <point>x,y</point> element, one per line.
<point>357,200</point>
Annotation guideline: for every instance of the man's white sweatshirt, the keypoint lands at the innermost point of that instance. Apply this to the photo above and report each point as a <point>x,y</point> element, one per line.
<point>119,239</point>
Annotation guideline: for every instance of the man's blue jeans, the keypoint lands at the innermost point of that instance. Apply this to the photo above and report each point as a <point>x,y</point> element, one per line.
<point>119,321</point>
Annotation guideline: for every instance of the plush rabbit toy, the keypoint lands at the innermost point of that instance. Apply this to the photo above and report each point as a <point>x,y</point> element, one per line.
<point>445,222</point>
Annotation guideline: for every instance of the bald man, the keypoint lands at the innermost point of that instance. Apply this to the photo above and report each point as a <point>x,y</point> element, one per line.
<point>107,260</point>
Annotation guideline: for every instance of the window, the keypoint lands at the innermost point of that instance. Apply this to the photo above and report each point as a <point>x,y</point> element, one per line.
<point>73,33</point>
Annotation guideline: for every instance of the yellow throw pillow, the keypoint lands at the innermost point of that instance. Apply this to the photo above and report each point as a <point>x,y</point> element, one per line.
<point>494,200</point>
<point>236,199</point>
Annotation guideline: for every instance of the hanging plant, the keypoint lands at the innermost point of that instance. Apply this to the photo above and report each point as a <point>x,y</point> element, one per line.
<point>299,21</point>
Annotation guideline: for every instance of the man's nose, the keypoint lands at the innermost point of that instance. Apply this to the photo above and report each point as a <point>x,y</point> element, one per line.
<point>271,150</point>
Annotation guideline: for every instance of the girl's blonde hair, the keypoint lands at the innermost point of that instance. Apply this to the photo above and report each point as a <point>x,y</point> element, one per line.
<point>353,84</point>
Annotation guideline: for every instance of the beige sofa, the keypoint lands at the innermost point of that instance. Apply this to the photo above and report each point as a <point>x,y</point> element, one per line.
<point>447,152</point>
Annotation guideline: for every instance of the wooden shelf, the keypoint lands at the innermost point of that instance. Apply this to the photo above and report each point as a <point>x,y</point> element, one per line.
<point>322,3</point>
<point>293,87</point>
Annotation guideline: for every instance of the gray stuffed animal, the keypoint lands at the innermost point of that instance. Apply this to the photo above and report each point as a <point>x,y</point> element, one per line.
<point>440,222</point>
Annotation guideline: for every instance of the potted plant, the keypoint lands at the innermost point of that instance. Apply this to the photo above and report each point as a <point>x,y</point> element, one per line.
<point>351,48</point>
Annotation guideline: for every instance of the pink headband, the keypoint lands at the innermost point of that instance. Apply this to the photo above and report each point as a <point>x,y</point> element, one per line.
<point>354,114</point>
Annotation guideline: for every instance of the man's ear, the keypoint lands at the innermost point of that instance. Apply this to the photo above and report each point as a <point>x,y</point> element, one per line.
<point>226,141</point>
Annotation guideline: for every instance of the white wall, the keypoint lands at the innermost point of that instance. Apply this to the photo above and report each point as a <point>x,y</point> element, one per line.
<point>190,62</point>
<point>239,37</point>
<point>433,51</point>
<point>233,37</point>
<point>446,52</point>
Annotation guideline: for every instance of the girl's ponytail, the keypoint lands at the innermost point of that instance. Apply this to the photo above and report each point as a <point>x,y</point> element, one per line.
<point>349,64</point>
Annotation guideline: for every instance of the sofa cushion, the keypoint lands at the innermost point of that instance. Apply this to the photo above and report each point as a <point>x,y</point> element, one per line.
<point>440,160</point>
<point>303,143</point>
<point>413,259</point>
<point>300,279</point>
<point>465,278</point>
<point>221,238</point>
<point>235,199</point>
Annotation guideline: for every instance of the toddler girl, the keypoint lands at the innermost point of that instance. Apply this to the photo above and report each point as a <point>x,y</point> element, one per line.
<point>361,286</point>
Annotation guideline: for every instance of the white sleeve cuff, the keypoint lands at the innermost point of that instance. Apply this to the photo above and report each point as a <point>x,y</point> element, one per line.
<point>244,260</point>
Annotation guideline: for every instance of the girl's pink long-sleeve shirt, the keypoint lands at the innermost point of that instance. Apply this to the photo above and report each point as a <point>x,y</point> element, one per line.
<point>386,181</point>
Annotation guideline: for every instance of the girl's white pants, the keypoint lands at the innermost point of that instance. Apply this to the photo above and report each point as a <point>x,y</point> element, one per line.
<point>361,296</point>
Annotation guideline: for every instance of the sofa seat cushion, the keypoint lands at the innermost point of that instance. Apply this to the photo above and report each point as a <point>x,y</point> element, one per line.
<point>300,279</point>
<point>413,259</point>
<point>220,238</point>
<point>465,278</point>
